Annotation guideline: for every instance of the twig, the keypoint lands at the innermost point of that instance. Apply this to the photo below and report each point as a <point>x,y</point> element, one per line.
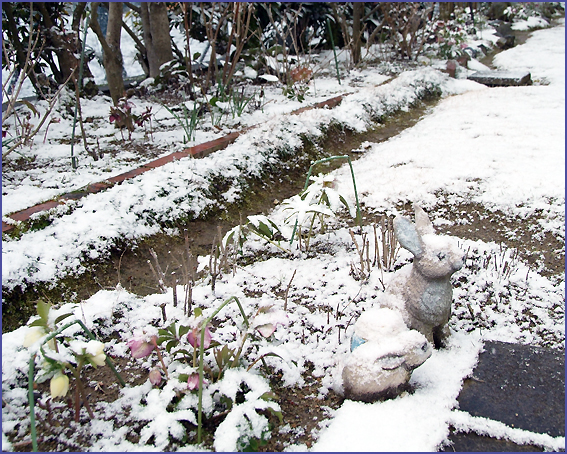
<point>159,275</point>
<point>174,290</point>
<point>287,290</point>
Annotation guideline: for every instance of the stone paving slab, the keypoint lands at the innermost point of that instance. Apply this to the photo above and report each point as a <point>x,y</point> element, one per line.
<point>501,78</point>
<point>519,385</point>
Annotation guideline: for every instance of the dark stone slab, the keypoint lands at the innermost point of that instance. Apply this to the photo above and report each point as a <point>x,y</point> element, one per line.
<point>471,442</point>
<point>519,385</point>
<point>501,78</point>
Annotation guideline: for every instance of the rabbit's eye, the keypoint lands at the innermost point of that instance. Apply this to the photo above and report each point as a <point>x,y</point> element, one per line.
<point>441,256</point>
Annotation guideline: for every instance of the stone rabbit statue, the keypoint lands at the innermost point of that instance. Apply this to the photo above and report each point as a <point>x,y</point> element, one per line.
<point>422,291</point>
<point>384,353</point>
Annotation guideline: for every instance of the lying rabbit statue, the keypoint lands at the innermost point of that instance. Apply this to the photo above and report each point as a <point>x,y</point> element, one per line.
<point>422,291</point>
<point>384,352</point>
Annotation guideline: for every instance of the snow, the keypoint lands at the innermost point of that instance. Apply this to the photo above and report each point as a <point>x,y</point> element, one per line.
<point>384,426</point>
<point>502,148</point>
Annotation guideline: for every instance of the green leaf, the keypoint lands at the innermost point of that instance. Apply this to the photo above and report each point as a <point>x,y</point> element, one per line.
<point>183,352</point>
<point>198,311</point>
<point>43,310</point>
<point>268,396</point>
<point>183,377</point>
<point>214,343</point>
<point>62,317</point>
<point>265,309</point>
<point>271,354</point>
<point>38,322</point>
<point>163,332</point>
<point>276,413</point>
<point>184,330</point>
<point>162,339</point>
<point>30,106</point>
<point>170,345</point>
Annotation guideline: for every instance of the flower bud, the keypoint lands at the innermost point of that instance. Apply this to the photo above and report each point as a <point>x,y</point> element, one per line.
<point>139,348</point>
<point>34,334</point>
<point>266,330</point>
<point>194,338</point>
<point>59,385</point>
<point>268,320</point>
<point>155,376</point>
<point>193,382</point>
<point>95,351</point>
<point>99,359</point>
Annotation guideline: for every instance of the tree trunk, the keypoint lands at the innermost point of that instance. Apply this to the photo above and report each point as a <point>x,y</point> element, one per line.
<point>64,45</point>
<point>112,56</point>
<point>155,25</point>
<point>357,11</point>
<point>89,87</point>
<point>113,60</point>
<point>445,10</point>
<point>17,44</point>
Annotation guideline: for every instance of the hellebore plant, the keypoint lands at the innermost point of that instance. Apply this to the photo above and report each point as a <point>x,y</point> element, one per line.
<point>141,348</point>
<point>59,385</point>
<point>90,352</point>
<point>121,116</point>
<point>69,353</point>
<point>316,202</point>
<point>185,346</point>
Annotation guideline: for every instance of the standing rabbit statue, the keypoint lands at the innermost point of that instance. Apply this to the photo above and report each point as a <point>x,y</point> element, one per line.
<point>422,291</point>
<point>389,342</point>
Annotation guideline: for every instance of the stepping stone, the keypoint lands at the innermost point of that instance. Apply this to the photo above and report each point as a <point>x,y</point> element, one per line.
<point>519,385</point>
<point>501,78</point>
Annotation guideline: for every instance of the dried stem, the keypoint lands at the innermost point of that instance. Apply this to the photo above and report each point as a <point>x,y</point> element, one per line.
<point>157,271</point>
<point>287,290</point>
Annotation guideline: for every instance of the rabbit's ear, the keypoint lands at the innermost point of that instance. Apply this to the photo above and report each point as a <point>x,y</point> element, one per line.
<point>422,222</point>
<point>407,235</point>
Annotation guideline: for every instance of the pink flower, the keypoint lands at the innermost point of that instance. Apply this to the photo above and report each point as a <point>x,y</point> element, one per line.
<point>193,382</point>
<point>268,320</point>
<point>266,330</point>
<point>194,338</point>
<point>155,376</point>
<point>139,348</point>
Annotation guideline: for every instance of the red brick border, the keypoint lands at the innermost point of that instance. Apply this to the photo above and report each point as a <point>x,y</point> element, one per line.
<point>198,151</point>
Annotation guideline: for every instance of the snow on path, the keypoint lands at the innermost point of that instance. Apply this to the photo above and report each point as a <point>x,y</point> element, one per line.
<point>501,147</point>
<point>385,426</point>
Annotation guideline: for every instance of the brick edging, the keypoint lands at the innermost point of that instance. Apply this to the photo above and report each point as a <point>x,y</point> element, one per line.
<point>197,151</point>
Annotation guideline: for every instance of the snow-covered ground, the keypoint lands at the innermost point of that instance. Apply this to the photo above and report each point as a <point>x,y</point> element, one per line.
<point>502,148</point>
